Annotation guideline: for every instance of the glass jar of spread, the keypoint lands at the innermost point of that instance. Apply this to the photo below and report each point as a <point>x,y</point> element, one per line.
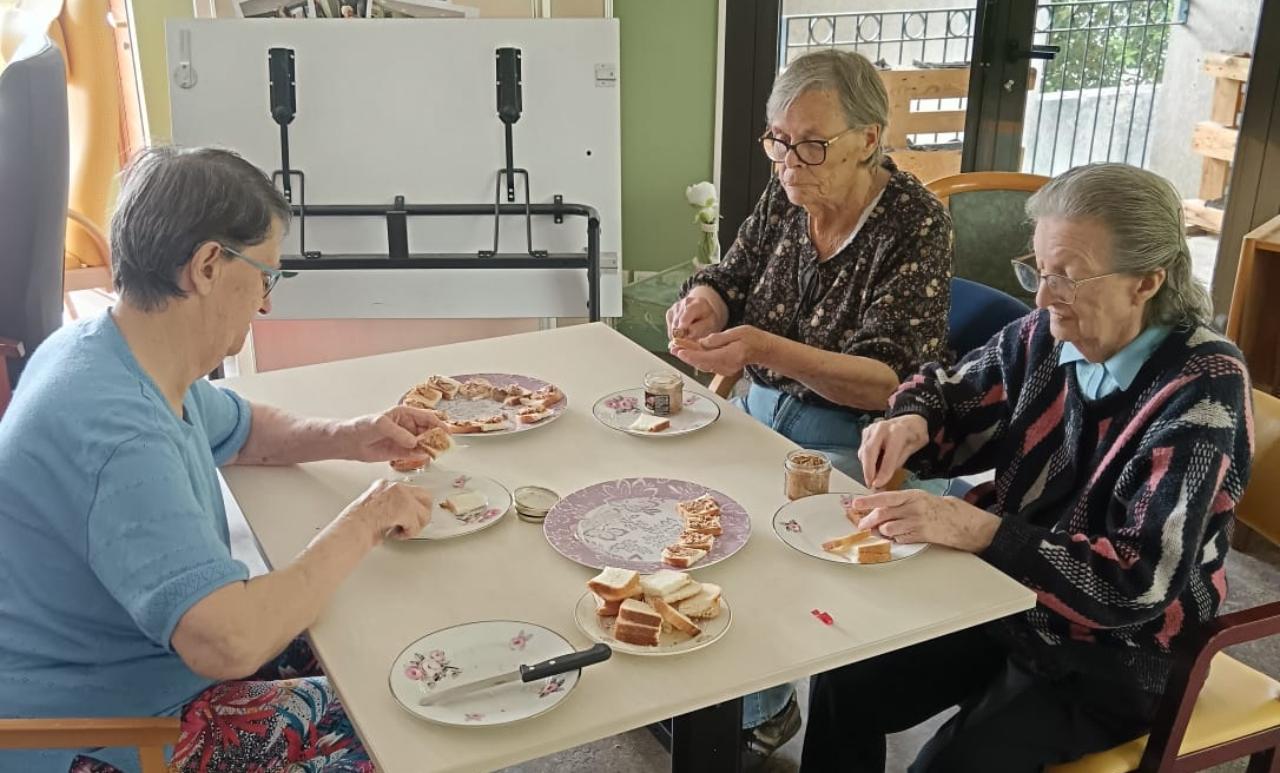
<point>807,473</point>
<point>663,392</point>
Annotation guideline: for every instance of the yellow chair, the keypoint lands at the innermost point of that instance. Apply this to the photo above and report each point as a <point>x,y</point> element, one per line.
<point>148,734</point>
<point>1215,708</point>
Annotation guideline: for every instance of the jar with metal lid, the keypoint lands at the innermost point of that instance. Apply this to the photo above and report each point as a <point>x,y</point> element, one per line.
<point>534,502</point>
<point>663,392</point>
<point>807,473</point>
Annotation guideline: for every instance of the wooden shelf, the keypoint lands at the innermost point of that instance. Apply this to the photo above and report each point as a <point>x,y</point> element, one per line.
<point>1252,322</point>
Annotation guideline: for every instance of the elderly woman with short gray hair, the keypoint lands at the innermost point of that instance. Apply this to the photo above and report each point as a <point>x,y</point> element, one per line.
<point>837,287</point>
<point>1119,428</point>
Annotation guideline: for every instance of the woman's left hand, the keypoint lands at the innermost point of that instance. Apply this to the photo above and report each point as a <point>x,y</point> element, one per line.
<point>725,353</point>
<point>916,516</point>
<point>386,436</point>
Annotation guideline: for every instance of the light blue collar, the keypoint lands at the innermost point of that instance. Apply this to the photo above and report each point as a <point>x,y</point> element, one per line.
<point>1099,379</point>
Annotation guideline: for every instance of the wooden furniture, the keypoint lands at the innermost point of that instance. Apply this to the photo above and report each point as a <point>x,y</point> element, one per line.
<point>1215,708</point>
<point>1251,321</point>
<point>1216,138</point>
<point>9,349</point>
<point>150,735</point>
<point>971,182</point>
<point>911,89</point>
<point>402,591</point>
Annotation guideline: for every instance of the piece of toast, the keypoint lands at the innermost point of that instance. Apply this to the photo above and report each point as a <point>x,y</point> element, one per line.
<point>423,396</point>
<point>492,423</point>
<point>674,618</point>
<point>646,423</point>
<point>843,545</point>
<point>876,551</point>
<point>464,502</point>
<point>408,465</point>
<point>699,524</point>
<point>682,557</point>
<point>509,393</point>
<point>548,396</point>
<point>615,584</point>
<point>476,389</point>
<point>433,442</point>
<point>447,386</point>
<point>607,608</point>
<point>638,613</point>
<point>642,635</point>
<point>705,505</point>
<point>697,539</point>
<point>663,582</point>
<point>683,342</point>
<point>532,416</point>
<point>703,606</point>
<point>854,514</point>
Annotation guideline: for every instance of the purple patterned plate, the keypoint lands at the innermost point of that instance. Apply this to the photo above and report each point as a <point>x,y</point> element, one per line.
<point>626,523</point>
<point>461,409</point>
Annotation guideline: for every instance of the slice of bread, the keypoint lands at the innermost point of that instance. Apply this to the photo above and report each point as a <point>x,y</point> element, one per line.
<point>681,557</point>
<point>423,396</point>
<point>464,502</point>
<point>874,552</point>
<point>548,395</point>
<point>639,613</point>
<point>703,606</point>
<point>476,389</point>
<point>607,608</point>
<point>646,423</point>
<point>408,465</point>
<point>697,539</point>
<point>704,505</point>
<point>532,417</point>
<point>615,584</point>
<point>509,392</point>
<point>642,635</point>
<point>843,545</point>
<point>703,524</point>
<point>447,386</point>
<point>672,617</point>
<point>854,514</point>
<point>435,441</point>
<point>663,582</point>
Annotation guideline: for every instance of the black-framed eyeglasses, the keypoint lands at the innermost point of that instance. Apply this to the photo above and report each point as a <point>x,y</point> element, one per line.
<point>1061,288</point>
<point>270,276</point>
<point>808,152</point>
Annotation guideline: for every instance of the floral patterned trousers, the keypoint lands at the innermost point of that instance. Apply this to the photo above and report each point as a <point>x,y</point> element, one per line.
<point>286,717</point>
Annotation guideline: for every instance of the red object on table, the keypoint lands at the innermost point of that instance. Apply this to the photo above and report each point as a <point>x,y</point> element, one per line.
<point>823,617</point>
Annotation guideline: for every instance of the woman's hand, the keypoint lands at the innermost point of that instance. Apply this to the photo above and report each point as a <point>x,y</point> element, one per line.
<point>386,436</point>
<point>917,516</point>
<point>699,313</point>
<point>886,446</point>
<point>725,353</point>
<point>391,510</point>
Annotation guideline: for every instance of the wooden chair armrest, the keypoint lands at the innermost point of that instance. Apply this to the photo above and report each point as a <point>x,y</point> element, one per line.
<point>723,385</point>
<point>77,733</point>
<point>10,348</point>
<point>98,238</point>
<point>1191,669</point>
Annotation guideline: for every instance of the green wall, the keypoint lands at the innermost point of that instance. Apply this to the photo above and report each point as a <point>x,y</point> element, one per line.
<point>668,75</point>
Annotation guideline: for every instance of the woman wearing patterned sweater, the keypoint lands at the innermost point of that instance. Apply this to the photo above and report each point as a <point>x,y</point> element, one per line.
<point>1120,430</point>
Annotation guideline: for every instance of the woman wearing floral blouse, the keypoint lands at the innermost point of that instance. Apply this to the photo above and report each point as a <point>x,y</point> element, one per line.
<point>836,289</point>
<point>838,285</point>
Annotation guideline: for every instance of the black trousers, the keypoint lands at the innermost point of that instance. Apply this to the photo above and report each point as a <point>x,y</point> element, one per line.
<point>1010,719</point>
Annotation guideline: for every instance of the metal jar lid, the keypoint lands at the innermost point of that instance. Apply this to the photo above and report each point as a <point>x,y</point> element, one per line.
<point>534,502</point>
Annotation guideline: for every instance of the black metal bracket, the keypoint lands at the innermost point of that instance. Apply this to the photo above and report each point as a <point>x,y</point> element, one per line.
<point>397,231</point>
<point>558,200</point>
<point>1037,51</point>
<point>510,174</point>
<point>300,208</point>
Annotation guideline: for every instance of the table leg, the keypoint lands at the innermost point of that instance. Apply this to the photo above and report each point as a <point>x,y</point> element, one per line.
<point>708,740</point>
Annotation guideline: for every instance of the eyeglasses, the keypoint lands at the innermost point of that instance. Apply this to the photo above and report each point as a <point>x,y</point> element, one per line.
<point>808,152</point>
<point>1061,288</point>
<point>270,276</point>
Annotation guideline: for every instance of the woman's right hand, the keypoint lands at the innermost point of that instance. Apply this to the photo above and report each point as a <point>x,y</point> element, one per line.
<point>391,509</point>
<point>699,313</point>
<point>886,446</point>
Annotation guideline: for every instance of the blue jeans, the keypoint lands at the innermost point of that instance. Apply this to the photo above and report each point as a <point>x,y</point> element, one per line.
<point>836,433</point>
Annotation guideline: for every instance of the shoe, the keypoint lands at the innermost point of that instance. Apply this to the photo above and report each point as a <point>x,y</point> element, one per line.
<point>768,737</point>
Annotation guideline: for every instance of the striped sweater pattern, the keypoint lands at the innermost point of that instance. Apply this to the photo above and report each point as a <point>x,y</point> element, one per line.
<point>1116,512</point>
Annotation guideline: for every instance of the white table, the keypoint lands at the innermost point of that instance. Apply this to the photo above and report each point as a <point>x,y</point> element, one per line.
<point>405,590</point>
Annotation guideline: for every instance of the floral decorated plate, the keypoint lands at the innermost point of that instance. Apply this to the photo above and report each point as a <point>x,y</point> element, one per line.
<point>807,523</point>
<point>626,523</point>
<point>620,409</point>
<point>462,409</point>
<point>669,643</point>
<point>444,483</point>
<point>474,651</point>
